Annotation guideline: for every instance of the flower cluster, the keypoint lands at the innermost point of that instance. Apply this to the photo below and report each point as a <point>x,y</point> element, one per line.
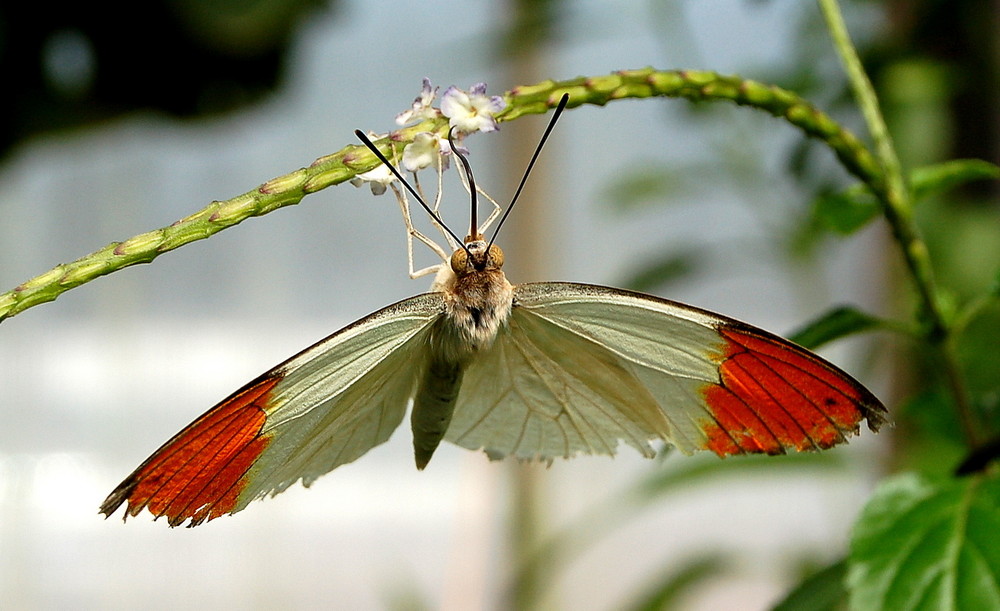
<point>467,112</point>
<point>473,111</point>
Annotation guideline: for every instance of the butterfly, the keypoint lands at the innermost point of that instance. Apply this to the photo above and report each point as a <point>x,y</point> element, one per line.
<point>533,371</point>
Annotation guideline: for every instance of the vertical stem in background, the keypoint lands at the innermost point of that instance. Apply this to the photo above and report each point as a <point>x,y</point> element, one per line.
<point>897,208</point>
<point>864,93</point>
<point>524,237</point>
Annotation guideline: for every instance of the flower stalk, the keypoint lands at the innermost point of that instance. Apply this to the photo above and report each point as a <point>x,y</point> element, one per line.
<point>352,160</point>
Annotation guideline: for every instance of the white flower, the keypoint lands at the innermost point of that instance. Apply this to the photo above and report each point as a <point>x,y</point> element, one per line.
<point>426,150</point>
<point>473,111</point>
<point>421,108</point>
<point>379,179</point>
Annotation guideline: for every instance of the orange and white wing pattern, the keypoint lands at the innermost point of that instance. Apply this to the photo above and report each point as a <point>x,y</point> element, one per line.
<point>322,408</point>
<point>580,367</point>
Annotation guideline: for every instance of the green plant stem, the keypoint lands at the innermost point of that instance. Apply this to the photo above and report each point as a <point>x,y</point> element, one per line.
<point>276,193</point>
<point>894,196</point>
<point>352,160</point>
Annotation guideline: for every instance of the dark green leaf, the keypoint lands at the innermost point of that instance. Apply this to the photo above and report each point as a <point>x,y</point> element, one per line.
<point>642,185</point>
<point>941,177</point>
<point>665,592</point>
<point>656,184</point>
<point>927,544</point>
<point>834,324</point>
<point>655,275</point>
<point>700,471</point>
<point>822,591</point>
<point>846,211</point>
<point>980,457</point>
<point>931,440</point>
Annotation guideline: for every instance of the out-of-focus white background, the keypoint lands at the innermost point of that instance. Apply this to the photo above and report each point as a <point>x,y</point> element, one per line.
<point>93,383</point>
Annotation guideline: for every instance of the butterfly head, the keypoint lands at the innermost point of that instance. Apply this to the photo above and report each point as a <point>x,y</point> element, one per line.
<point>477,256</point>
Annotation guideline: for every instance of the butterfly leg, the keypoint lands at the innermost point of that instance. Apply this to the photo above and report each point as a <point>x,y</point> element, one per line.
<point>411,233</point>
<point>493,213</point>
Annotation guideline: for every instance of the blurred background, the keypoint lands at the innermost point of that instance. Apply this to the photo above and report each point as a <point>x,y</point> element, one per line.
<point>117,121</point>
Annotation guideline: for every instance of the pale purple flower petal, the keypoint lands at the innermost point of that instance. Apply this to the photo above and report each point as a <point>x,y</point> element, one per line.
<point>421,108</point>
<point>471,112</point>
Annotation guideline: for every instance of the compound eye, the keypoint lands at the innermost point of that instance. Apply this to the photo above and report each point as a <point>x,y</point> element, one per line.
<point>495,258</point>
<point>459,261</point>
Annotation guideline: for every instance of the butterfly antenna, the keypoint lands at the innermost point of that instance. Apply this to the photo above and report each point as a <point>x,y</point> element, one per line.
<point>552,123</point>
<point>409,188</point>
<point>474,222</point>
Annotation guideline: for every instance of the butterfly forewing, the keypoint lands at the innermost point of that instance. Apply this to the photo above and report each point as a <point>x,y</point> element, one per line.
<point>347,400</point>
<point>320,409</point>
<point>773,395</point>
<point>201,471</point>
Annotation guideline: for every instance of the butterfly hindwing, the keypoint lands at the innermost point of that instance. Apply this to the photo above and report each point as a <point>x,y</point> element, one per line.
<point>543,392</point>
<point>639,368</point>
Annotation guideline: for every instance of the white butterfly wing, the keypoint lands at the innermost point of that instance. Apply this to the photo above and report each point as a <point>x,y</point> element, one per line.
<point>580,367</point>
<point>340,398</point>
<point>322,408</point>
<point>576,369</point>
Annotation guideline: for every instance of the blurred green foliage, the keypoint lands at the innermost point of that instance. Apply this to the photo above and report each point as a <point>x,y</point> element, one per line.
<point>83,63</point>
<point>936,72</point>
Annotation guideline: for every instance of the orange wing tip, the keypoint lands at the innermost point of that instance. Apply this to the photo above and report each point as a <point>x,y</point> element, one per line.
<point>773,396</point>
<point>199,474</point>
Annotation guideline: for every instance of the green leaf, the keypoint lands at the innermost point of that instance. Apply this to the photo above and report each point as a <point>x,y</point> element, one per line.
<point>822,591</point>
<point>927,544</point>
<point>834,324</point>
<point>851,209</point>
<point>846,211</point>
<point>941,177</point>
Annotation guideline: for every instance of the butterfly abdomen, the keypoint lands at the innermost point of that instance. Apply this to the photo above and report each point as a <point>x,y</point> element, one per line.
<point>433,406</point>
